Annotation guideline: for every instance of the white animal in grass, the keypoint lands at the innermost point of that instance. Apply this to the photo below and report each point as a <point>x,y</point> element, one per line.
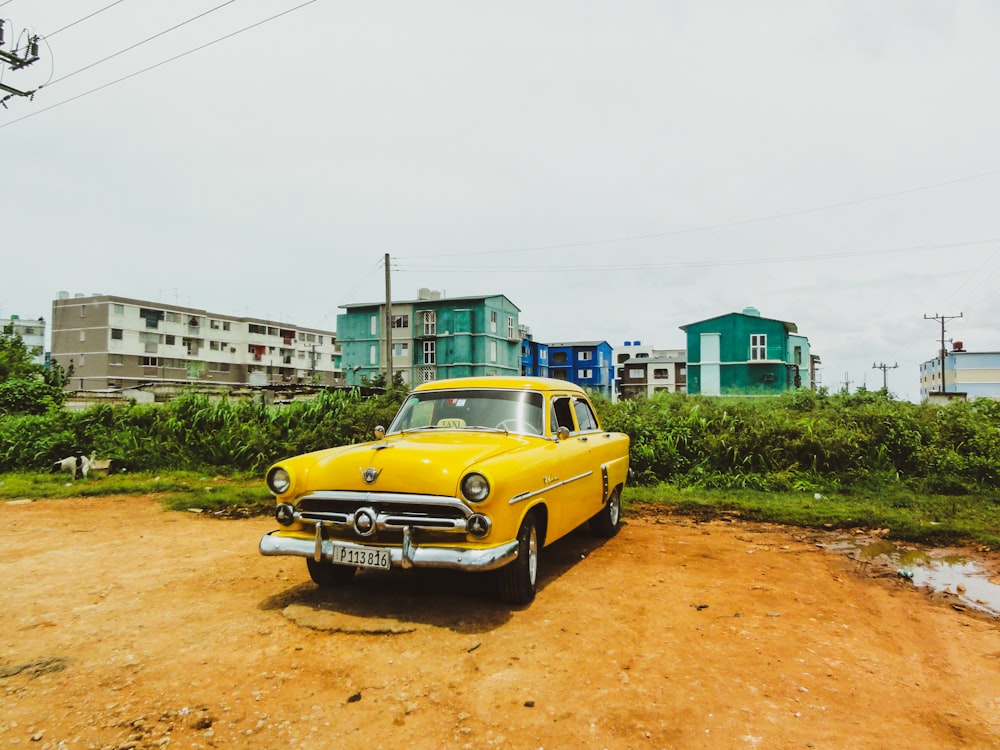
<point>74,464</point>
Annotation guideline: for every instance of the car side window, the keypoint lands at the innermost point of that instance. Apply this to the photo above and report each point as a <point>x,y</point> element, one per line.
<point>562,414</point>
<point>584,416</point>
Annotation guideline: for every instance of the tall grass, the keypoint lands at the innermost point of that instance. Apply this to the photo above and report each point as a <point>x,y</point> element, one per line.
<point>801,441</point>
<point>193,432</point>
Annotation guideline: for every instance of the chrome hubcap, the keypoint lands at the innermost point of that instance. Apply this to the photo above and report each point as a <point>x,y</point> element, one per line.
<point>532,556</point>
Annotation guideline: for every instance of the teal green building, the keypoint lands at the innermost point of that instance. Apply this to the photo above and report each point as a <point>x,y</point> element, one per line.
<point>746,354</point>
<point>430,338</point>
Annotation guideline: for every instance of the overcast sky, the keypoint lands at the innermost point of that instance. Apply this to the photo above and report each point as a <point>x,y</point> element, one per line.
<point>617,169</point>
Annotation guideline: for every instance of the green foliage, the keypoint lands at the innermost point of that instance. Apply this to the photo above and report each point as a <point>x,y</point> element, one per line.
<point>25,387</point>
<point>194,432</point>
<point>15,357</point>
<point>805,440</point>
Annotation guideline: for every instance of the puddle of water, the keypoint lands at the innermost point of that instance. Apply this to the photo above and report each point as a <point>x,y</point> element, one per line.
<point>956,574</point>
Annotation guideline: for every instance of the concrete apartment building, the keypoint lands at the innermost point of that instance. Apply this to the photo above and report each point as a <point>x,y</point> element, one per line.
<point>32,333</point>
<point>119,343</point>
<point>644,370</point>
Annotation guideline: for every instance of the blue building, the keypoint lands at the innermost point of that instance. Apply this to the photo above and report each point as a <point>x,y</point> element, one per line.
<point>589,364</point>
<point>534,355</point>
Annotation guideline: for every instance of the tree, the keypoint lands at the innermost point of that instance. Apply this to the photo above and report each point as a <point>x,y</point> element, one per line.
<point>16,358</point>
<point>27,387</point>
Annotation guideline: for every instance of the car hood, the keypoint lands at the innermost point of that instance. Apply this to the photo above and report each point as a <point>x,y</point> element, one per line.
<point>418,462</point>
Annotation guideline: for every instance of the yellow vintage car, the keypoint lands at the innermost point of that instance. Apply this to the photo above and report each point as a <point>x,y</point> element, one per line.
<point>475,474</point>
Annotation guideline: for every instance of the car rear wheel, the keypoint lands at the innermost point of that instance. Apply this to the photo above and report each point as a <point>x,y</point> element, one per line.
<point>327,575</point>
<point>519,579</point>
<point>609,519</point>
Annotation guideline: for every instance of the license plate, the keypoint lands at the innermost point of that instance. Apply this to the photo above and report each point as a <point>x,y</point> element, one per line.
<point>361,557</point>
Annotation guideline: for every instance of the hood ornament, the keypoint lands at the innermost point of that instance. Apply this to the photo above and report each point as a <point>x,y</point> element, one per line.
<point>370,475</point>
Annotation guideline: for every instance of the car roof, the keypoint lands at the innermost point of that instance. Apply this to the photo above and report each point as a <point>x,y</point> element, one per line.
<point>506,382</point>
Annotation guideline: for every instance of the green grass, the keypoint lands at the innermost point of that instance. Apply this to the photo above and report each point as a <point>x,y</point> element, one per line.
<point>910,516</point>
<point>928,519</point>
<point>176,490</point>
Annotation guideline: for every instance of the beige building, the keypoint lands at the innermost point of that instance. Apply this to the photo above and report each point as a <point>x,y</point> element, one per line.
<point>118,343</point>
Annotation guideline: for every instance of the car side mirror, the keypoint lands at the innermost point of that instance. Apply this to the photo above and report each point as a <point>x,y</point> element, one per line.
<point>562,433</point>
<point>379,432</point>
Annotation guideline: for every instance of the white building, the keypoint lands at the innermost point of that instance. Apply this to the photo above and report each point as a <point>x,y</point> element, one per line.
<point>32,333</point>
<point>974,374</point>
<point>644,370</point>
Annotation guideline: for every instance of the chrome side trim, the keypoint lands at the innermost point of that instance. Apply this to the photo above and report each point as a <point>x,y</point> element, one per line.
<point>415,556</point>
<point>528,495</point>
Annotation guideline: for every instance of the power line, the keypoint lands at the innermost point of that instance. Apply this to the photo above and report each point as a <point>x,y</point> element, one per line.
<point>722,225</point>
<point>81,20</point>
<point>688,264</point>
<point>159,64</point>
<point>138,44</point>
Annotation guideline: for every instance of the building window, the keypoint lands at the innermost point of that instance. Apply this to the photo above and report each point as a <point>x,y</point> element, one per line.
<point>586,356</point>
<point>116,359</point>
<point>117,334</point>
<point>117,308</point>
<point>758,346</point>
<point>430,352</point>
<point>400,321</point>
<point>493,321</point>
<point>493,351</point>
<point>83,335</point>
<point>400,350</point>
<point>510,327</point>
<point>214,324</point>
<point>149,361</point>
<point>559,358</point>
<point>636,372</point>
<point>373,325</point>
<point>372,354</point>
<point>430,323</point>
<point>586,374</point>
<point>661,373</point>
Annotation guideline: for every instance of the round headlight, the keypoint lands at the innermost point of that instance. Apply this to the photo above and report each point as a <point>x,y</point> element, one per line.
<point>278,481</point>
<point>475,488</point>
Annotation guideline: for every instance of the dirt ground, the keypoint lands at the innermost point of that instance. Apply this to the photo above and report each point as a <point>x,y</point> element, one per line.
<point>125,626</point>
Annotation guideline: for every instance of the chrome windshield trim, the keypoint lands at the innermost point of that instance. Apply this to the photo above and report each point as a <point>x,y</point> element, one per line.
<point>528,495</point>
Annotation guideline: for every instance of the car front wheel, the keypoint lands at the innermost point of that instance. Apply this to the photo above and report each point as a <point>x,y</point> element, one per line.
<point>519,579</point>
<point>327,575</point>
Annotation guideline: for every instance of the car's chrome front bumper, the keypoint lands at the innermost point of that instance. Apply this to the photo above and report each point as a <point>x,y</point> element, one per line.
<point>408,555</point>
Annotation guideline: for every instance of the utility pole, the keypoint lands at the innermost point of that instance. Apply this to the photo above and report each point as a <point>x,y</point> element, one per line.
<point>942,319</point>
<point>17,61</point>
<point>883,367</point>
<point>847,382</point>
<point>388,325</point>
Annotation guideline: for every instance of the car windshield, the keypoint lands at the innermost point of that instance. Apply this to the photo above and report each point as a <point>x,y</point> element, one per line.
<point>508,411</point>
